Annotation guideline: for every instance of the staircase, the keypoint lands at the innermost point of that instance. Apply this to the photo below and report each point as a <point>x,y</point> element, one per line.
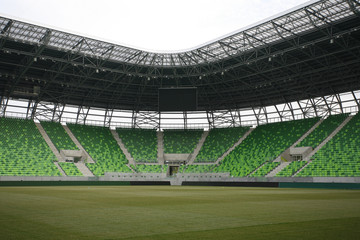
<point>198,147</point>
<point>326,140</point>
<point>286,154</point>
<point>308,162</point>
<point>60,169</point>
<point>256,169</point>
<point>71,135</point>
<point>84,169</point>
<point>308,132</point>
<point>329,137</point>
<point>235,145</point>
<point>276,170</point>
<point>123,148</point>
<point>49,142</point>
<point>160,154</point>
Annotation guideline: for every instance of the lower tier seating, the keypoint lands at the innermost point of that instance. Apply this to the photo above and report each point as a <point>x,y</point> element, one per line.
<point>291,169</point>
<point>197,168</point>
<point>218,142</point>
<point>323,131</point>
<point>58,136</point>
<point>23,151</point>
<point>102,147</point>
<point>141,143</point>
<point>265,169</point>
<point>70,169</point>
<point>142,168</point>
<point>338,157</point>
<point>181,141</point>
<point>263,144</point>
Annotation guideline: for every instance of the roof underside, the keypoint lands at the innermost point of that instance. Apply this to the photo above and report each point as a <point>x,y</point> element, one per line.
<point>310,52</point>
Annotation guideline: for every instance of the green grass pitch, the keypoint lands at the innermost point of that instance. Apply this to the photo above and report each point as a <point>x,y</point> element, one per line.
<point>165,212</point>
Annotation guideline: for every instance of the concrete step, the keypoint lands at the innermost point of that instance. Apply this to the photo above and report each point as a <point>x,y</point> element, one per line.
<point>326,140</point>
<point>49,142</point>
<point>84,169</point>
<point>235,145</point>
<point>123,148</point>
<point>276,170</point>
<point>198,147</point>
<point>160,155</point>
<point>60,169</point>
<point>256,169</point>
<point>73,138</point>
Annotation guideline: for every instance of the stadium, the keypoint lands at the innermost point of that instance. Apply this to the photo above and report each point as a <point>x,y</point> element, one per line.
<point>87,125</point>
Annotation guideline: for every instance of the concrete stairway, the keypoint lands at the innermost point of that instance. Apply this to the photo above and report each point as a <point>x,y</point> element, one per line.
<point>84,169</point>
<point>49,142</point>
<point>235,145</point>
<point>286,153</point>
<point>123,148</point>
<point>160,154</point>
<point>308,158</point>
<point>71,135</point>
<point>329,137</point>
<point>60,169</point>
<point>308,132</point>
<point>276,170</point>
<point>198,147</point>
<point>308,162</point>
<point>256,169</point>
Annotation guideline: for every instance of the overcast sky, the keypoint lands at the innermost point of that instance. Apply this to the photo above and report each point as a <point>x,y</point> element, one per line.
<point>155,25</point>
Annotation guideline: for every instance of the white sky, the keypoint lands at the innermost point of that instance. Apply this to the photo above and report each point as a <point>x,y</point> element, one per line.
<point>155,25</point>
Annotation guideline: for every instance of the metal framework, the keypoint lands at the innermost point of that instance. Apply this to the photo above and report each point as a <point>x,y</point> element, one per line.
<point>306,57</point>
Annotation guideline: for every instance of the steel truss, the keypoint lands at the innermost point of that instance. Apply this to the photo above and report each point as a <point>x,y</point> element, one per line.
<point>289,26</point>
<point>316,107</point>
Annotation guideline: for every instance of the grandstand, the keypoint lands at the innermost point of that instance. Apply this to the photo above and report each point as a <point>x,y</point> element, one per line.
<point>264,145</point>
<point>23,151</point>
<point>181,141</point>
<point>340,156</point>
<point>58,136</point>
<point>260,92</point>
<point>218,141</point>
<point>141,143</point>
<point>102,147</point>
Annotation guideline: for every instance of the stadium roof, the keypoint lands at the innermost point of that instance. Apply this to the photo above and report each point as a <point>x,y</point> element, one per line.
<point>309,52</point>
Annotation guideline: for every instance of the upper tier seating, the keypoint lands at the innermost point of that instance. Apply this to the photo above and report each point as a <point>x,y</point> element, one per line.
<point>323,131</point>
<point>181,141</point>
<point>218,142</point>
<point>58,136</point>
<point>102,147</point>
<point>264,144</point>
<point>338,157</point>
<point>141,143</point>
<point>70,169</point>
<point>23,151</point>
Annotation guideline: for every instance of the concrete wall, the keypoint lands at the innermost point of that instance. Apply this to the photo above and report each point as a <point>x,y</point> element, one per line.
<point>183,177</point>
